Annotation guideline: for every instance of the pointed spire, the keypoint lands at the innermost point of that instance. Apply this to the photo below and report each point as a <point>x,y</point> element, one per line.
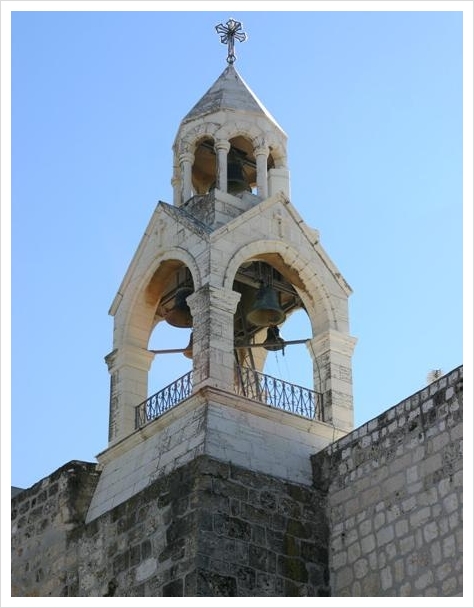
<point>229,92</point>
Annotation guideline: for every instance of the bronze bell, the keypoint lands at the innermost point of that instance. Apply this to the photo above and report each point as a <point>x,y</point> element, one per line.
<point>274,341</point>
<point>188,351</point>
<point>180,314</point>
<point>266,310</point>
<point>236,181</point>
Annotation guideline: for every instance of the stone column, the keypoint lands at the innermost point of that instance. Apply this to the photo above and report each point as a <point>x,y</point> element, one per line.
<point>128,368</point>
<point>331,352</point>
<point>176,184</point>
<point>222,148</point>
<point>186,161</point>
<point>279,180</point>
<point>213,337</point>
<point>261,156</point>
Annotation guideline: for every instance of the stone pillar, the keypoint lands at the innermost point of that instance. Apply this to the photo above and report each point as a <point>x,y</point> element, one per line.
<point>176,184</point>
<point>213,312</point>
<point>186,161</point>
<point>331,352</point>
<point>222,148</point>
<point>279,180</point>
<point>261,156</point>
<point>128,368</point>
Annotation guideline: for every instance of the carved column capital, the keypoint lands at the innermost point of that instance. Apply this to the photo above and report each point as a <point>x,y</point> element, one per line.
<point>262,150</point>
<point>222,144</point>
<point>186,157</point>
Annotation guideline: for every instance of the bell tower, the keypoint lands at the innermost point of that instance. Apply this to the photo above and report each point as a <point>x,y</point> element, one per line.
<point>230,260</point>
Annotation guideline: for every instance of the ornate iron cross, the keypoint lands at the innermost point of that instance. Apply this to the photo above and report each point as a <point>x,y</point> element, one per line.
<point>230,31</point>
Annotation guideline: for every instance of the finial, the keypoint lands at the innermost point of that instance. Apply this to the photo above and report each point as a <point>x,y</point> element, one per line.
<point>229,31</point>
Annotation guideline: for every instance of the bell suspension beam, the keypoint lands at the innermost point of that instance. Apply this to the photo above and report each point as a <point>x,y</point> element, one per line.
<point>242,346</point>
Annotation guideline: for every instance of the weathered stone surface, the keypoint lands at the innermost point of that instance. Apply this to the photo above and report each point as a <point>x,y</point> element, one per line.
<point>213,529</point>
<point>399,539</point>
<point>181,536</point>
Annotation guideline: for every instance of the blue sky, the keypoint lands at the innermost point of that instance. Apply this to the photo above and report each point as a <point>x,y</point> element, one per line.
<point>372,105</point>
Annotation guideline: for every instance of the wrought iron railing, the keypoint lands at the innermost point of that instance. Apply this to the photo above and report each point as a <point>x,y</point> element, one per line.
<point>163,400</point>
<point>279,394</point>
<point>250,383</point>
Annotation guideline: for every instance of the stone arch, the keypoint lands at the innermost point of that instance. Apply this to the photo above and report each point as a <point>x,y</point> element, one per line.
<point>252,138</point>
<point>257,136</point>
<point>276,147</point>
<point>190,135</point>
<point>321,310</point>
<point>135,318</point>
<point>244,128</point>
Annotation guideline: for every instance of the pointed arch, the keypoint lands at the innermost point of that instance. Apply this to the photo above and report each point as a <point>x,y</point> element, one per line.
<point>321,310</point>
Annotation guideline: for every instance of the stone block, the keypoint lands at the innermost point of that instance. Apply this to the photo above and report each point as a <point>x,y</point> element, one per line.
<point>385,535</point>
<point>367,544</point>
<point>292,568</point>
<point>450,503</point>
<point>211,584</point>
<point>386,580</point>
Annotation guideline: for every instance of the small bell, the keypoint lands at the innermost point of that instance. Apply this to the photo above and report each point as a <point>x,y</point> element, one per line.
<point>274,341</point>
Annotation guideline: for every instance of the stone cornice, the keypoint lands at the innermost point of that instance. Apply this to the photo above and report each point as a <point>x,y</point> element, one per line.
<point>211,396</point>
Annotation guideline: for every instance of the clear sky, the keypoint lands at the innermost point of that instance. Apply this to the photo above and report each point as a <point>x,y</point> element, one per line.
<point>372,105</point>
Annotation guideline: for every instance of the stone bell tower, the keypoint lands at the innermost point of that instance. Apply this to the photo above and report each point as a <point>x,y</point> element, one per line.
<point>231,259</point>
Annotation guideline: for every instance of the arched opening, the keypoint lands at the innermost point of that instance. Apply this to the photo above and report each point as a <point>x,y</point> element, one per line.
<point>293,363</point>
<point>268,298</point>
<point>241,166</point>
<point>241,162</point>
<point>171,333</point>
<point>242,157</point>
<point>271,330</point>
<point>167,367</point>
<point>205,166</point>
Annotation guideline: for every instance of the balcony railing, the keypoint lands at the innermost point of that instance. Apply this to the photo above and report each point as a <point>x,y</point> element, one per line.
<point>164,400</point>
<point>250,383</point>
<point>279,394</point>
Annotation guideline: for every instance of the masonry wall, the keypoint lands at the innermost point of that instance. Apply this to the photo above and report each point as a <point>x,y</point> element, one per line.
<point>394,489</point>
<point>42,518</point>
<point>382,518</point>
<point>207,529</point>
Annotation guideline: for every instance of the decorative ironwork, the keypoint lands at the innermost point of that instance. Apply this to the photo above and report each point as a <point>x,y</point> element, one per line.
<point>230,31</point>
<point>251,384</point>
<point>163,400</point>
<point>279,394</point>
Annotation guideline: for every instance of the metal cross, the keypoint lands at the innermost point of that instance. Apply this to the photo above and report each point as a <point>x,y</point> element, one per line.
<point>230,31</point>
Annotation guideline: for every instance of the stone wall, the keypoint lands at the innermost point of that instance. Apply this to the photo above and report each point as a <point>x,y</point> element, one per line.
<point>207,529</point>
<point>394,490</point>
<point>42,518</point>
<point>382,518</point>
<point>259,536</point>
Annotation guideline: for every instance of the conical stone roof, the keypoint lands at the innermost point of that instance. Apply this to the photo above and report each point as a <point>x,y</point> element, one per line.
<point>229,92</point>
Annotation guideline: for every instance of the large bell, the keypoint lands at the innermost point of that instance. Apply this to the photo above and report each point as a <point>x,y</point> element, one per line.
<point>236,181</point>
<point>188,351</point>
<point>180,314</point>
<point>273,341</point>
<point>266,310</point>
